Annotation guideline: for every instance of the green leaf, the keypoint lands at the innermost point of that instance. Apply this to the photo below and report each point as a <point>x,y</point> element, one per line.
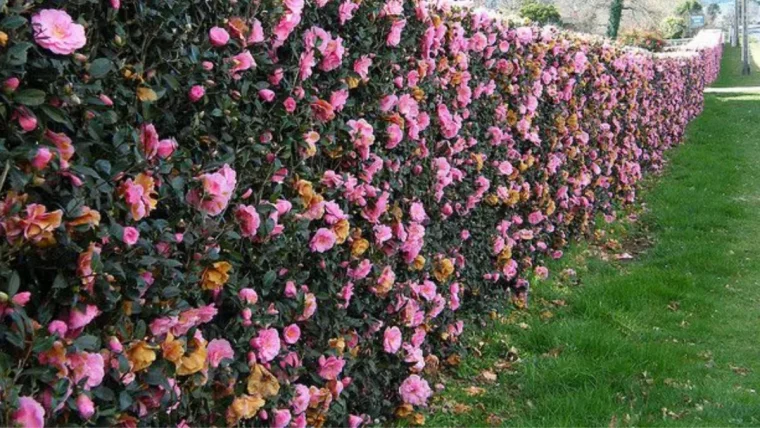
<point>125,400</point>
<point>56,115</point>
<point>17,53</point>
<point>100,68</point>
<point>12,22</point>
<point>13,284</point>
<point>30,97</point>
<point>87,342</point>
<point>269,278</point>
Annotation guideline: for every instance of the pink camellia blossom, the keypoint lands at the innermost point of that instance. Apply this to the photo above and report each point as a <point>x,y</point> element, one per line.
<point>242,62</point>
<point>267,344</point>
<point>346,11</point>
<point>355,421</point>
<point>196,93</point>
<point>248,295</point>
<point>415,391</point>
<point>248,219</point>
<point>55,31</point>
<point>290,105</point>
<point>30,413</point>
<point>323,240</point>
<point>392,340</point>
<point>148,140</point>
<point>130,235</point>
<point>105,99</point>
<point>218,36</point>
<point>257,32</point>
<point>395,135</point>
<point>281,418</point>
<point>394,36</point>
<point>330,368</point>
<point>85,406</point>
<point>301,397</point>
<point>218,350</point>
<point>417,212</point>
<point>21,299</point>
<point>87,365</point>
<point>166,148</point>
<point>42,158</point>
<point>79,319</point>
<point>291,334</point>
<point>26,119</point>
<point>216,192</point>
<point>362,65</point>
<point>266,95</point>
<point>11,84</point>
<point>58,327</point>
<point>115,4</point>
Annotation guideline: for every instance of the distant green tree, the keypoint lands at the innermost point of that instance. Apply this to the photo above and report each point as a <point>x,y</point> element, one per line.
<point>712,12</point>
<point>540,13</point>
<point>673,27</point>
<point>616,14</point>
<point>688,7</point>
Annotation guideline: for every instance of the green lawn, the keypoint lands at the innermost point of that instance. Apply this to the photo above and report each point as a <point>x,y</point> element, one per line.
<point>731,70</point>
<point>668,338</point>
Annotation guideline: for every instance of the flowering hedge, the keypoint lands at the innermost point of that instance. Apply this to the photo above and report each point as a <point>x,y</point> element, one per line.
<point>271,212</point>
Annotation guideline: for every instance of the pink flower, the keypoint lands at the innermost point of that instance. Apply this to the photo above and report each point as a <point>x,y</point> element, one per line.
<point>248,219</point>
<point>415,391</point>
<point>218,36</point>
<point>79,319</point>
<point>281,418</point>
<point>330,368</point>
<point>248,295</point>
<point>301,398</point>
<point>115,4</point>
<point>417,212</point>
<point>26,119</point>
<point>196,93</point>
<point>392,340</point>
<point>130,235</point>
<point>355,421</point>
<point>148,140</point>
<point>87,365</point>
<point>292,333</point>
<point>346,11</point>
<point>21,299</point>
<point>257,32</point>
<point>58,327</point>
<point>42,158</point>
<point>290,105</point>
<point>362,136</point>
<point>362,65</point>
<point>105,99</point>
<point>56,31</point>
<point>383,233</point>
<point>217,191</point>
<point>266,95</point>
<point>166,147</point>
<point>267,343</point>
<point>11,84</point>
<point>85,406</point>
<point>323,240</point>
<point>395,135</point>
<point>394,36</point>
<point>242,62</point>
<point>219,349</point>
<point>29,414</point>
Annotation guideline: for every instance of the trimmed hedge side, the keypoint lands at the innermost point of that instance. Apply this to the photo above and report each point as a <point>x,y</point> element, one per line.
<point>270,213</point>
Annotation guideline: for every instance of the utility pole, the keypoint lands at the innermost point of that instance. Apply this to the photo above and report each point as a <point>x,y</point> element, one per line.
<point>735,35</point>
<point>745,39</point>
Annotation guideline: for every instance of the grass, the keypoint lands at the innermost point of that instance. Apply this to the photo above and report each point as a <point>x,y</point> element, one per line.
<point>731,68</point>
<point>668,338</point>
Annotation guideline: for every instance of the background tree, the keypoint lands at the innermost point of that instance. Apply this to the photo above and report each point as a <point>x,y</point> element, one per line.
<point>540,13</point>
<point>712,13</point>
<point>673,27</point>
<point>689,7</point>
<point>616,13</point>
